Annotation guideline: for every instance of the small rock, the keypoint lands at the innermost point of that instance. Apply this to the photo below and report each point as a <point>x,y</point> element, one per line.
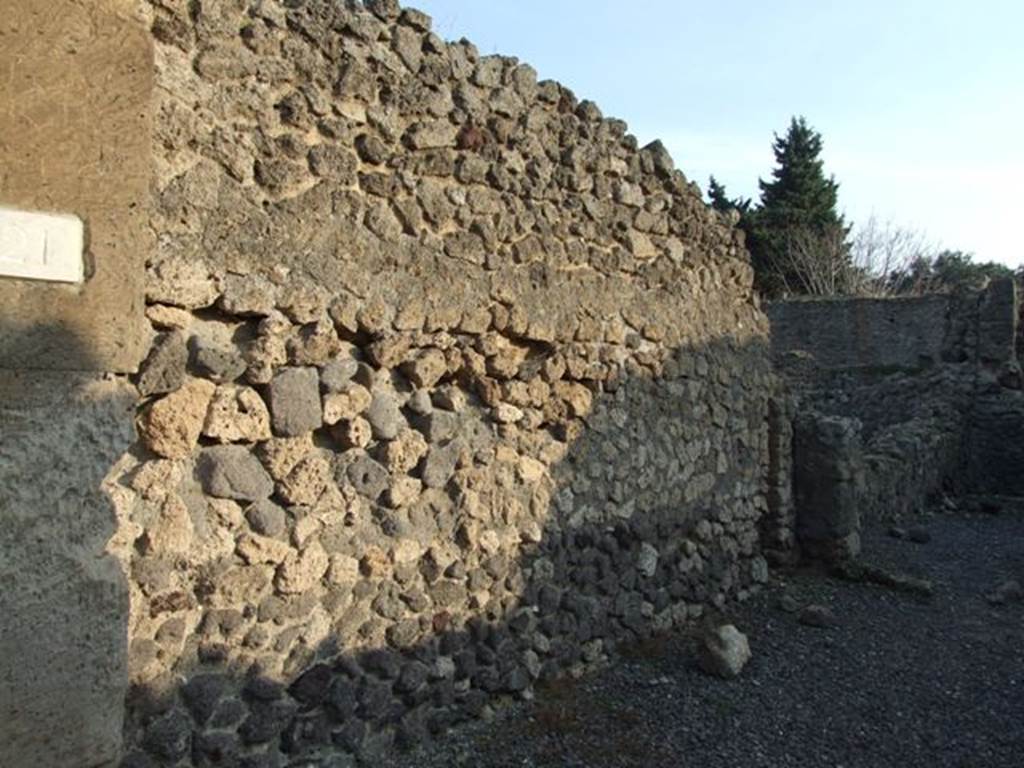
<point>897,533</point>
<point>919,535</point>
<point>432,135</point>
<point>450,398</point>
<point>403,492</point>
<point>439,426</point>
<point>232,472</point>
<point>171,426</point>
<point>440,464</point>
<point>302,571</point>
<point>164,368</point>
<point>384,416</point>
<point>261,549</point>
<point>355,433</point>
<point>419,402</point>
<point>169,737</point>
<point>505,413</point>
<point>336,375</point>
<point>346,404</point>
<point>295,401</point>
<point>311,687</point>
<point>647,562</point>
<point>368,477</point>
<point>818,616</point>
<point>248,295</point>
<point>266,518</point>
<point>171,532</point>
<point>899,581</point>
<point>427,369</point>
<point>186,284</point>
<point>724,651</point>
<point>215,748</point>
<point>170,318</point>
<point>306,481</point>
<point>1009,591</point>
<point>220,364</point>
<point>201,695</point>
<point>759,570</point>
<point>404,452</point>
<point>280,454</point>
<point>788,604</point>
<point>304,303</point>
<point>237,414</point>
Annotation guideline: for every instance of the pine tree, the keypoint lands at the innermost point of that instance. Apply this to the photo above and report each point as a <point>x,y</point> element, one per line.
<point>721,201</point>
<point>716,194</point>
<point>796,230</point>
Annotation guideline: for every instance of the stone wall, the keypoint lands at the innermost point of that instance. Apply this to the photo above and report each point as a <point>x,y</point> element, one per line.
<point>875,336</point>
<point>929,385</point>
<point>864,333</point>
<point>454,388</point>
<point>1020,321</point>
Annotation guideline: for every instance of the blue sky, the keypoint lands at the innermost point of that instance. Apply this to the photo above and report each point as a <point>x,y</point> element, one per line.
<point>920,103</point>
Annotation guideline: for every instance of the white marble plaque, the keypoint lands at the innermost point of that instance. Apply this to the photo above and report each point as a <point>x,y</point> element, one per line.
<point>41,246</point>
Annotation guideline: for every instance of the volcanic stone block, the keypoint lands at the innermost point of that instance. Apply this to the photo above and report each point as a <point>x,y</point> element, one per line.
<point>164,368</point>
<point>232,472</point>
<point>295,401</point>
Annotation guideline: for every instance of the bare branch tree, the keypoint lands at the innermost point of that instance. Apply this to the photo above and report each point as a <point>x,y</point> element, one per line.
<point>818,263</point>
<point>891,257</point>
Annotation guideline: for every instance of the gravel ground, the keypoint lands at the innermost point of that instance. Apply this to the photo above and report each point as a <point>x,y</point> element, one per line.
<point>900,680</point>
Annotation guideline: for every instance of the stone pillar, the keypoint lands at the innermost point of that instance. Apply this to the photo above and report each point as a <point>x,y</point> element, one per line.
<point>64,602</point>
<point>997,323</point>
<point>995,455</point>
<point>828,474</point>
<point>778,530</point>
<point>75,89</point>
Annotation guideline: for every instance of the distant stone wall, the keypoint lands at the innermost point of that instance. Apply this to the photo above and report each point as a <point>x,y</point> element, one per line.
<point>454,389</point>
<point>906,333</point>
<point>930,385</point>
<point>1020,323</point>
<point>910,465</point>
<point>876,336</point>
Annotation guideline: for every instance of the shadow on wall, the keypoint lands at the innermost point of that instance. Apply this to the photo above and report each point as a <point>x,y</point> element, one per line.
<point>502,575</point>
<point>63,668</point>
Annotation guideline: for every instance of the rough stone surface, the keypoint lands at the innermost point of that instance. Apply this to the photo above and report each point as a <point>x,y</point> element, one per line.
<point>232,472</point>
<point>295,401</point>
<point>516,376</point>
<point>216,362</point>
<point>237,414</point>
<point>163,370</point>
<point>724,651</point>
<point>170,427</point>
<point>384,416</point>
<point>63,654</point>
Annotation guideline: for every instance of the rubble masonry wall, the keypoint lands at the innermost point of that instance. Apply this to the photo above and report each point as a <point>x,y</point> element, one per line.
<point>453,388</point>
